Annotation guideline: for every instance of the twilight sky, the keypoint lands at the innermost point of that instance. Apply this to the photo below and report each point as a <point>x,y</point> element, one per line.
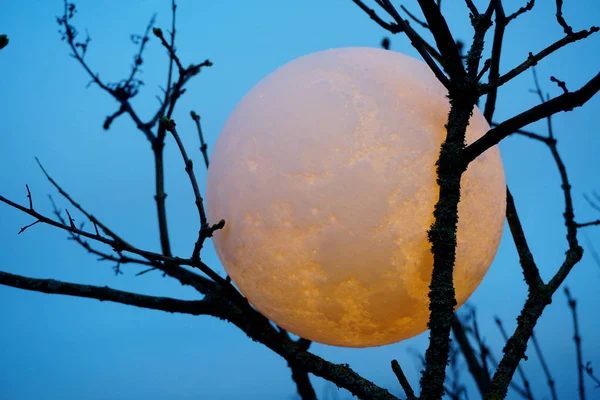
<point>58,347</point>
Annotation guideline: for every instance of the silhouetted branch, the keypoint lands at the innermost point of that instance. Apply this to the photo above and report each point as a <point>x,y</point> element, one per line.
<point>472,8</point>
<point>577,339</point>
<point>561,20</point>
<point>479,374</point>
<point>522,10</point>
<point>170,126</point>
<point>536,301</point>
<point>494,75</point>
<point>51,286</point>
<point>532,60</point>
<point>443,38</point>
<point>414,18</point>
<point>564,102</point>
<point>170,265</point>
<point>300,376</point>
<point>121,259</point>
<point>426,51</point>
<point>549,379</point>
<point>528,393</point>
<point>590,372</point>
<point>120,93</point>
<point>205,230</point>
<point>3,41</point>
<point>528,265</point>
<point>203,146</point>
<point>410,394</point>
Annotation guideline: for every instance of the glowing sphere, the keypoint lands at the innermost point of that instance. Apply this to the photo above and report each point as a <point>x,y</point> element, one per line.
<point>325,174</point>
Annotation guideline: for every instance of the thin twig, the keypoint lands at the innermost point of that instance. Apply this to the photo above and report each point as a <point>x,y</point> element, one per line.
<point>549,379</point>
<point>189,169</point>
<point>577,339</point>
<point>479,374</point>
<point>561,84</point>
<point>203,145</point>
<point>410,394</point>
<point>426,51</point>
<point>564,102</point>
<point>205,230</point>
<point>417,20</point>
<point>522,10</point>
<point>528,265</point>
<point>561,20</point>
<point>532,60</point>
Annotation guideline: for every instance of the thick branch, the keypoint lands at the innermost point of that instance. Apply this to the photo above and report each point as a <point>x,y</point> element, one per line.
<point>51,286</point>
<point>258,328</point>
<point>443,38</point>
<point>442,236</point>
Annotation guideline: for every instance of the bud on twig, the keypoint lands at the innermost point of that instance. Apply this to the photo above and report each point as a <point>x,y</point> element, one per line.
<point>157,32</point>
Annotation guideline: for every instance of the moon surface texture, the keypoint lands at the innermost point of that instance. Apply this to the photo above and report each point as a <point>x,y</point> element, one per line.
<point>325,175</point>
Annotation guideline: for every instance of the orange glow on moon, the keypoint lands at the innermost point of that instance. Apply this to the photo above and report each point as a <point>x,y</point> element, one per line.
<point>325,174</point>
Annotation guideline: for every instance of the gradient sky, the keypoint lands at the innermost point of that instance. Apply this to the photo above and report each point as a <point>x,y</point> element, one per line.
<point>58,347</point>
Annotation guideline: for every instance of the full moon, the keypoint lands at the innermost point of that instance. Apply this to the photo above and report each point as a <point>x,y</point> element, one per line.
<point>325,175</point>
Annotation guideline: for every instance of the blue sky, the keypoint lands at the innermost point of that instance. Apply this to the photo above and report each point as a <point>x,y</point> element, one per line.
<point>60,347</point>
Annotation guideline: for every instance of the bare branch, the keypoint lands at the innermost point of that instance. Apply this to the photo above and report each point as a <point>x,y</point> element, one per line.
<point>259,329</point>
<point>51,286</point>
<point>170,126</point>
<point>425,50</point>
<point>564,102</point>
<point>393,28</point>
<point>536,301</point>
<point>550,380</point>
<point>481,24</point>
<point>176,90</point>
<point>522,10</point>
<point>3,41</point>
<point>530,270</point>
<point>501,22</point>
<point>414,18</point>
<point>477,371</point>
<point>300,376</point>
<point>586,224</point>
<point>205,230</point>
<point>561,84</point>
<point>203,146</point>
<point>577,340</point>
<point>590,372</point>
<point>532,60</point>
<point>410,394</point>
<point>23,229</point>
<point>561,20</point>
<point>526,384</point>
<point>120,93</point>
<point>472,8</point>
<point>443,38</point>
